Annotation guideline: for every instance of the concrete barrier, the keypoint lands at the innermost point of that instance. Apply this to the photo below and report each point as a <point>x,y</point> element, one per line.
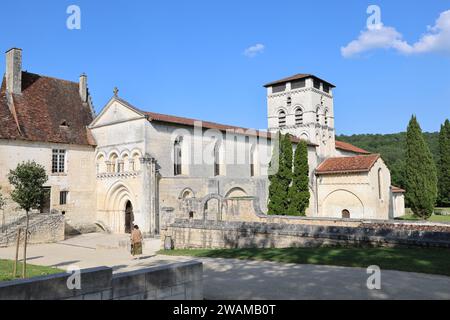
<point>180,281</point>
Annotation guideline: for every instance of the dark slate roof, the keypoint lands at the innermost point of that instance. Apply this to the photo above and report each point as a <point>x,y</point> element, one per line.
<point>39,112</point>
<point>298,76</point>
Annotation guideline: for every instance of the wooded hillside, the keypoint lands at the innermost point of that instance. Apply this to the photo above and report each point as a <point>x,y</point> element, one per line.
<point>392,149</point>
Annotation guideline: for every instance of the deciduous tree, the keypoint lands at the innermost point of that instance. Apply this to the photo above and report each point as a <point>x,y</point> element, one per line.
<point>27,181</point>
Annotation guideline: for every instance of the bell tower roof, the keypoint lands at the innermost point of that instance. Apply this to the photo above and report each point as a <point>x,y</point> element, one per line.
<point>299,76</point>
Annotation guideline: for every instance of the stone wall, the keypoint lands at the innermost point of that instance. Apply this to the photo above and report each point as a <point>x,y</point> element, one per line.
<point>209,234</point>
<point>43,228</point>
<point>182,281</point>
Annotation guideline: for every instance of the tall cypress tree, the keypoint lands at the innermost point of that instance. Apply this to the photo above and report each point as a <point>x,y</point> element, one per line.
<point>421,177</point>
<point>444,165</point>
<point>299,190</point>
<point>275,188</point>
<point>280,179</point>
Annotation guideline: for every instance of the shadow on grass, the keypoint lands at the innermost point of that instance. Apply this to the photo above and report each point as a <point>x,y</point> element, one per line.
<point>421,260</point>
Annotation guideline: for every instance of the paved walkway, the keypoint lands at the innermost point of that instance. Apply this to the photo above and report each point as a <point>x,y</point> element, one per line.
<point>92,250</point>
<point>226,279</point>
<point>237,279</point>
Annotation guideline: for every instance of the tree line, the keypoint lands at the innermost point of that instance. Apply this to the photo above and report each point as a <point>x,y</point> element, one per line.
<point>419,162</point>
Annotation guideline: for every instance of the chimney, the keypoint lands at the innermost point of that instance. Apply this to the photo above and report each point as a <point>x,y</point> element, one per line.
<point>14,71</point>
<point>83,87</point>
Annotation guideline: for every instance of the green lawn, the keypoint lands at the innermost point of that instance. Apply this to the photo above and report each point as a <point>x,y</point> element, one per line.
<point>433,218</point>
<point>6,270</point>
<point>422,260</point>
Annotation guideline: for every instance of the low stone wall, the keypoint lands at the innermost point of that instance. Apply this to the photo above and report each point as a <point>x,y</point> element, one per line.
<point>181,281</point>
<point>47,228</point>
<point>209,234</point>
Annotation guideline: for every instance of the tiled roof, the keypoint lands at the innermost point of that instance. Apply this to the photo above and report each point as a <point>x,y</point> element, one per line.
<point>348,164</point>
<point>397,189</point>
<point>349,147</point>
<point>212,125</point>
<point>297,77</point>
<point>39,112</point>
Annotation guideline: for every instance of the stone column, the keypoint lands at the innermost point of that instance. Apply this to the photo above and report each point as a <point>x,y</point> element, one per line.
<point>148,198</point>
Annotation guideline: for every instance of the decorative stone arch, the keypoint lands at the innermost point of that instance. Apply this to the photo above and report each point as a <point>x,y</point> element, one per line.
<point>345,200</point>
<point>279,109</point>
<point>115,203</point>
<point>182,193</point>
<point>136,151</point>
<point>304,135</point>
<point>208,198</point>
<point>100,153</point>
<point>236,190</point>
<point>112,152</point>
<point>188,203</point>
<point>125,152</point>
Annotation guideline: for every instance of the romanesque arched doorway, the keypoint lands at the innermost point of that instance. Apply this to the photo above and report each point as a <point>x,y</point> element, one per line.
<point>129,217</point>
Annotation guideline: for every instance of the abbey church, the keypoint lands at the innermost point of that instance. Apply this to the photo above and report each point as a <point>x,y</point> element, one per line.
<point>128,165</point>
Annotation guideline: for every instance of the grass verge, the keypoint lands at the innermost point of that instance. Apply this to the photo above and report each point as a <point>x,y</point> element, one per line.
<point>7,266</point>
<point>421,260</point>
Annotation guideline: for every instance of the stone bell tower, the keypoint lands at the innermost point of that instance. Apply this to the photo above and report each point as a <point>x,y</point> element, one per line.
<point>302,105</point>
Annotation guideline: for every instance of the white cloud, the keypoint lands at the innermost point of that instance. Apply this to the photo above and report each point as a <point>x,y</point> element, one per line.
<point>254,50</point>
<point>437,39</point>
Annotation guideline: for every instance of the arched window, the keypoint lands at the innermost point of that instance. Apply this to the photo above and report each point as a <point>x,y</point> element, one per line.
<point>289,101</point>
<point>282,119</point>
<point>345,214</point>
<point>178,157</point>
<point>113,163</point>
<point>326,117</point>
<point>101,164</point>
<point>217,160</point>
<point>135,162</point>
<point>380,184</point>
<point>252,162</point>
<point>125,163</point>
<point>299,116</point>
<point>318,115</point>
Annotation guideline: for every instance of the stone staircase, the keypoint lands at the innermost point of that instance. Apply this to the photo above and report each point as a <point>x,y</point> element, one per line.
<point>8,234</point>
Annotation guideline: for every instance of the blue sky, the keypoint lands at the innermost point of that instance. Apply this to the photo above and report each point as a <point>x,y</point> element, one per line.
<point>188,58</point>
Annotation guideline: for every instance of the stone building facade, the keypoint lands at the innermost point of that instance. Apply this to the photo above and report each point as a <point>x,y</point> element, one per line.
<point>127,166</point>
